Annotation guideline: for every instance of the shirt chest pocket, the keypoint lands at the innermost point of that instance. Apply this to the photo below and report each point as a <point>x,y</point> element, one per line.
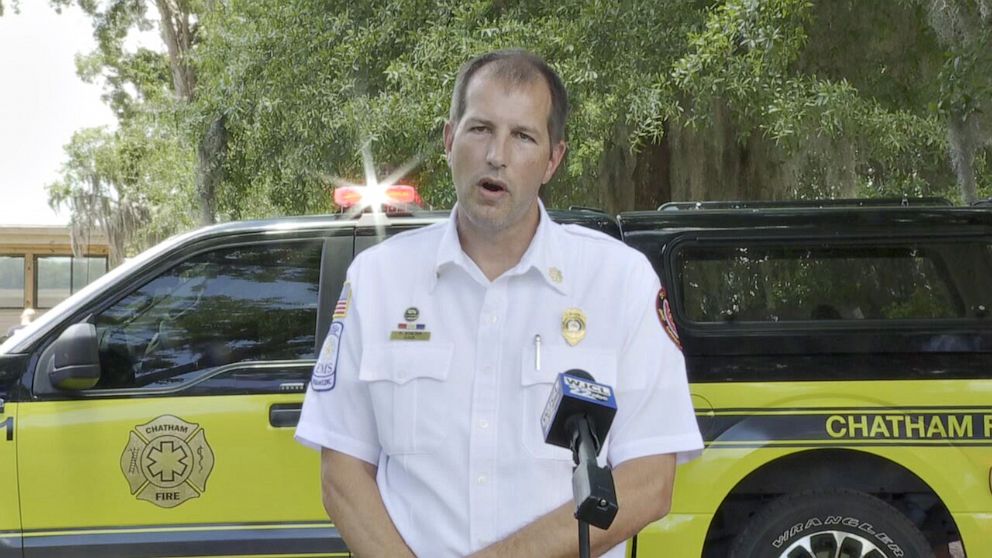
<point>536,385</point>
<point>407,386</point>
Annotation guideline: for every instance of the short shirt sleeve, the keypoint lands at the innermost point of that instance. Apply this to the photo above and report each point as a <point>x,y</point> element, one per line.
<point>337,411</point>
<point>654,408</point>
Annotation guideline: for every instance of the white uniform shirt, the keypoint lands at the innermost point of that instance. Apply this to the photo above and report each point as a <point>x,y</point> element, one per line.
<point>453,421</point>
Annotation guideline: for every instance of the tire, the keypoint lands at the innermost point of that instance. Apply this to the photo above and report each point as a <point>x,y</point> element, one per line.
<point>830,524</point>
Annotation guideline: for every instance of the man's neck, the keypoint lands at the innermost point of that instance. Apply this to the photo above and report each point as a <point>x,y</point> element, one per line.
<point>495,252</point>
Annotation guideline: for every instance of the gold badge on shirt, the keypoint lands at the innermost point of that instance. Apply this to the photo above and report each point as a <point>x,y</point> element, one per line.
<point>573,326</point>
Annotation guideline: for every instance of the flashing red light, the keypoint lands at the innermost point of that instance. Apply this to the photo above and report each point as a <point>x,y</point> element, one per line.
<point>396,195</point>
<point>347,196</point>
<point>403,194</point>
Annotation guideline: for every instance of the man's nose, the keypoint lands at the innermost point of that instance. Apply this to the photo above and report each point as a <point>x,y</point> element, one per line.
<point>496,153</point>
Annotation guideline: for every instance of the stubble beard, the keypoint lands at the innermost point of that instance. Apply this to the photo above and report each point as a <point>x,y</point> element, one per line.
<point>487,219</point>
<point>492,220</point>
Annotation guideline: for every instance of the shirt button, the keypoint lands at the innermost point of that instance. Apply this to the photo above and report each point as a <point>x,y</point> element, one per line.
<point>494,318</point>
<point>482,479</point>
<point>483,423</point>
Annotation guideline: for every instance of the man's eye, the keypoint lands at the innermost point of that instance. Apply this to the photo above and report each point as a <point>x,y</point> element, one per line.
<point>525,137</point>
<point>478,129</point>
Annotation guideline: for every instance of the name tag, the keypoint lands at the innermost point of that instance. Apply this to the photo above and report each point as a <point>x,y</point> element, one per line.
<point>410,336</point>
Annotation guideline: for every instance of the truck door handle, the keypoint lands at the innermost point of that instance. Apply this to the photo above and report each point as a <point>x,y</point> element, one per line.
<point>285,415</point>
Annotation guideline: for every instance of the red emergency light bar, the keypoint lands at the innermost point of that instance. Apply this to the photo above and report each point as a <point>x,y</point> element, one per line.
<point>395,197</point>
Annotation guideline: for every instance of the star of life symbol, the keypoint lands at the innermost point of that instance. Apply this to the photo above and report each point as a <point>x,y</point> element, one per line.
<point>167,461</point>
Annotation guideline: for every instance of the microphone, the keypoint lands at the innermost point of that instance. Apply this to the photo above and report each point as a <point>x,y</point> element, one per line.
<point>578,416</point>
<point>576,395</point>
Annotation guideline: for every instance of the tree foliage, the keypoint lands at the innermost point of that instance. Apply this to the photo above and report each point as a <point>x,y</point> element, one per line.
<point>672,100</point>
<point>150,90</point>
<point>794,72</point>
<point>123,183</point>
<point>739,99</point>
<point>305,85</point>
<point>964,28</point>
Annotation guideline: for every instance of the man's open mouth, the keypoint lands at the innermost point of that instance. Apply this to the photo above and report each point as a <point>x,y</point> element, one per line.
<point>491,185</point>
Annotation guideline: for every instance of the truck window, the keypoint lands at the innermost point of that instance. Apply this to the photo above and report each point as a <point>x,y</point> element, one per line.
<point>247,303</point>
<point>785,283</point>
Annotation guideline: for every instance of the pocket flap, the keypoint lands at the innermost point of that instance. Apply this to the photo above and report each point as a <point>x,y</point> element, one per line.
<point>600,363</point>
<point>400,363</point>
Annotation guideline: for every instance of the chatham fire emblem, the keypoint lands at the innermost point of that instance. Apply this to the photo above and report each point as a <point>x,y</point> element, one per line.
<point>167,461</point>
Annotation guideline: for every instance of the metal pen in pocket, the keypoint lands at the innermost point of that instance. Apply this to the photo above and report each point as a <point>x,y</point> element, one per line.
<point>537,353</point>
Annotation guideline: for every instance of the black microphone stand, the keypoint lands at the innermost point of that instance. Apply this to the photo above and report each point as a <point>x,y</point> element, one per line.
<point>593,491</point>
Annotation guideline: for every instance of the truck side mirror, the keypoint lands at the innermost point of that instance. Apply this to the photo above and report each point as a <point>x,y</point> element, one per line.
<point>76,358</point>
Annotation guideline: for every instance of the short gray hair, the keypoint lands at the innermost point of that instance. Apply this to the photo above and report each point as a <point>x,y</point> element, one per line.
<point>515,66</point>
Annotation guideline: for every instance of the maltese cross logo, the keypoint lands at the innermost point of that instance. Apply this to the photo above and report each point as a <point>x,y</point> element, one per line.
<point>167,461</point>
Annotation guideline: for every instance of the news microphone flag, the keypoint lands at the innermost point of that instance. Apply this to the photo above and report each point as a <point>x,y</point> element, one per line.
<point>576,394</point>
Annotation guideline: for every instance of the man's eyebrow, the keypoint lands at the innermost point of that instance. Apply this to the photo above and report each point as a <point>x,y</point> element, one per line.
<point>478,120</point>
<point>526,129</point>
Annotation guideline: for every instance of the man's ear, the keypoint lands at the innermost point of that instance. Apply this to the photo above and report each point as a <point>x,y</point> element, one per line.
<point>449,137</point>
<point>557,154</point>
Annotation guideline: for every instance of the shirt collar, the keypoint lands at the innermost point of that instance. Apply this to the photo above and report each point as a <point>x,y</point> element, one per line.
<point>544,256</point>
<point>449,251</point>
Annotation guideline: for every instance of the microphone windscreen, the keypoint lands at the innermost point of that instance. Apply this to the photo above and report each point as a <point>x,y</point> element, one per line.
<point>579,373</point>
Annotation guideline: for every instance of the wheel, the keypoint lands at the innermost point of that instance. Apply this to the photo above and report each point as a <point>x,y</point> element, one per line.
<point>830,524</point>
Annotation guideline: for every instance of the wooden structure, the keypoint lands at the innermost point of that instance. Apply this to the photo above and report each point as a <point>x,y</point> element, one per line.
<point>32,242</point>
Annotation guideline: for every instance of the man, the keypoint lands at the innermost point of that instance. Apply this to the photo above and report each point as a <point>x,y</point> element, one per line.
<point>427,396</point>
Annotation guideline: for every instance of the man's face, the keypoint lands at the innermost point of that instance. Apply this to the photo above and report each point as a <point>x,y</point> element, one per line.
<point>500,153</point>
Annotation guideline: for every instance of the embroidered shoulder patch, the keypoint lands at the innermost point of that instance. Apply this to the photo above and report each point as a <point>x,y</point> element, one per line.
<point>325,372</point>
<point>665,317</point>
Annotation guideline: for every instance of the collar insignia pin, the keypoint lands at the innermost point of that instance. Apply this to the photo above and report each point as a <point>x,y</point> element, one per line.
<point>555,274</point>
<point>573,326</point>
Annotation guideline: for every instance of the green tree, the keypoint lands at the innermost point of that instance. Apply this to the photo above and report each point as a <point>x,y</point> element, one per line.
<point>134,182</point>
<point>304,85</point>
<point>124,183</point>
<point>672,100</point>
<point>847,91</point>
<point>147,80</point>
<point>93,189</point>
<point>964,29</point>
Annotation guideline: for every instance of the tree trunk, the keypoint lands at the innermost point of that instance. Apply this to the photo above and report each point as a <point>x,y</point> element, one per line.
<point>177,34</point>
<point>963,136</point>
<point>210,157</point>
<point>616,171</point>
<point>712,162</point>
<point>706,160</point>
<point>652,174</point>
